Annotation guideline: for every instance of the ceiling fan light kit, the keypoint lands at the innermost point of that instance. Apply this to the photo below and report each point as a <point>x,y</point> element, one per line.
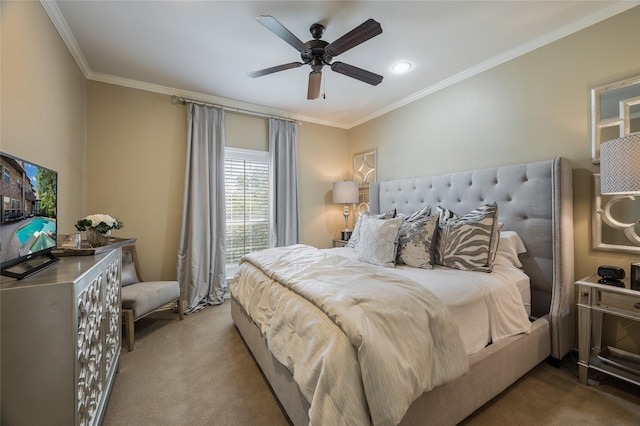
<point>317,53</point>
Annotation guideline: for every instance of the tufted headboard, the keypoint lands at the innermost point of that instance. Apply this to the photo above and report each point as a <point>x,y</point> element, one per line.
<point>535,200</point>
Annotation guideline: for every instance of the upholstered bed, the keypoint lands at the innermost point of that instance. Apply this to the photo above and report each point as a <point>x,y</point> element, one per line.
<point>534,201</point>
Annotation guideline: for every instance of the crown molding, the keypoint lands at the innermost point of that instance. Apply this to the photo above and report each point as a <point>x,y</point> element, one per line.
<point>51,8</point>
<point>212,99</point>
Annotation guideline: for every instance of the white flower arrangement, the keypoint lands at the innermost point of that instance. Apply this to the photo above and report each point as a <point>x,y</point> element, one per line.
<point>102,223</point>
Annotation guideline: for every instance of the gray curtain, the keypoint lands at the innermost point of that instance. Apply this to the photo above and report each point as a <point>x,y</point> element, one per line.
<point>202,251</point>
<point>284,213</point>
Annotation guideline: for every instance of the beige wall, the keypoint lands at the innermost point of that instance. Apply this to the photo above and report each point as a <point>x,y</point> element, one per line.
<point>322,159</point>
<point>246,131</point>
<point>136,159</point>
<point>531,108</point>
<point>43,103</point>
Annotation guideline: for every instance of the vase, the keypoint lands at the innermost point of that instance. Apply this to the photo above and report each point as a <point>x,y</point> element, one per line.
<point>96,239</point>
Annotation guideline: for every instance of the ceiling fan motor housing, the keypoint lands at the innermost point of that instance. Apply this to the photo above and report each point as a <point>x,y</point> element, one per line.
<point>316,56</point>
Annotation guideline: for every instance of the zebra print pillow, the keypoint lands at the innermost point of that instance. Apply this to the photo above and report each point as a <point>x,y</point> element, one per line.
<point>466,242</point>
<point>417,215</point>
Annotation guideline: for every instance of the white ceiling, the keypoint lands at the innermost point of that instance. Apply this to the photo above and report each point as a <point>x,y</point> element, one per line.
<point>204,49</point>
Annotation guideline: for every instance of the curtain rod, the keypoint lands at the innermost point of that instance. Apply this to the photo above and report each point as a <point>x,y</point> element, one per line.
<point>179,100</point>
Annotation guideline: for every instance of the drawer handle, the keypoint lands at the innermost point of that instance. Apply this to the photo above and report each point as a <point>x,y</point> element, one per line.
<point>637,305</point>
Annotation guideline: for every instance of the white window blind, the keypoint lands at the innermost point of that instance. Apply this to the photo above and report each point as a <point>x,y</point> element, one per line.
<point>247,199</point>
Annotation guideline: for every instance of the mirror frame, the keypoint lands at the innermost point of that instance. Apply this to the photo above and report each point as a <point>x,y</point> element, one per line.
<point>365,167</point>
<point>365,171</point>
<point>622,121</point>
<point>597,223</point>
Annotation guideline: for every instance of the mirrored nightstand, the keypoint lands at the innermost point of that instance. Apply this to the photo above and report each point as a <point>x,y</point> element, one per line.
<point>595,300</point>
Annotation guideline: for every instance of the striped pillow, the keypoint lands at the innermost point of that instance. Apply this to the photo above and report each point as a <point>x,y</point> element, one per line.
<point>417,215</point>
<point>468,242</point>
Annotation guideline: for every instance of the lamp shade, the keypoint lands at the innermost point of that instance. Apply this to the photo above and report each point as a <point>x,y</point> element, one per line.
<point>620,165</point>
<point>345,192</point>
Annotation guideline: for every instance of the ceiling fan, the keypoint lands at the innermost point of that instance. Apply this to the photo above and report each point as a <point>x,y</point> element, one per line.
<point>318,53</point>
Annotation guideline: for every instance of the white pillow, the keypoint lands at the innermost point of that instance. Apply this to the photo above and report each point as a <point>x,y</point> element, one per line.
<point>378,238</point>
<point>355,236</point>
<point>509,247</point>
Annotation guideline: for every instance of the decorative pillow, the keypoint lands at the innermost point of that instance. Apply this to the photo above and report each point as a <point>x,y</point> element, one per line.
<point>378,240</point>
<point>355,235</point>
<point>465,242</point>
<point>495,239</point>
<point>416,242</point>
<point>420,214</point>
<point>509,247</point>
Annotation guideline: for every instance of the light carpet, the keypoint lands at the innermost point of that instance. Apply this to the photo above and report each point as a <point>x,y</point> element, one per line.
<point>199,372</point>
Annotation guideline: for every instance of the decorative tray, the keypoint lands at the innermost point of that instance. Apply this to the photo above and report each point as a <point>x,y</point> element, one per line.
<point>86,250</point>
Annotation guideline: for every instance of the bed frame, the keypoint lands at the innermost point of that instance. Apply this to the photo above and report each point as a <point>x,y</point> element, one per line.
<point>535,200</point>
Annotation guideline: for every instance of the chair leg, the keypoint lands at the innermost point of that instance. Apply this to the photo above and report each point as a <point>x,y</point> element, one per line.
<point>127,315</point>
<point>180,310</point>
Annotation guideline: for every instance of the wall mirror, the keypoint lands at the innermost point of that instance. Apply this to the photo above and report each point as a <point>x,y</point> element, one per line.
<point>625,210</point>
<point>365,165</point>
<point>615,112</point>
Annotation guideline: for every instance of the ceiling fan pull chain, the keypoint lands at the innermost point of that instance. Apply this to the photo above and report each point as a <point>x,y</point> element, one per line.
<point>324,87</point>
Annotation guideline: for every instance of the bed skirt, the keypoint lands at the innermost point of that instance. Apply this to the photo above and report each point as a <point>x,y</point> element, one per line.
<point>491,371</point>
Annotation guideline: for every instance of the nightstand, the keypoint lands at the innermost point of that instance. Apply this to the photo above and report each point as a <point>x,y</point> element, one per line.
<point>339,243</point>
<point>594,301</point>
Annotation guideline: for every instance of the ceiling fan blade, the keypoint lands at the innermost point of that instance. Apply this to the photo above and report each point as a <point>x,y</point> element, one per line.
<point>315,77</point>
<point>356,36</point>
<point>260,73</point>
<point>281,31</point>
<point>357,73</point>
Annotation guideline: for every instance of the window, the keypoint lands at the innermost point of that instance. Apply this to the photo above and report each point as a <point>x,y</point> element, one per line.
<point>7,176</point>
<point>247,203</point>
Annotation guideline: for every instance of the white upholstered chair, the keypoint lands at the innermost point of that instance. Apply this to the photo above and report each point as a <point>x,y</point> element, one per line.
<point>140,297</point>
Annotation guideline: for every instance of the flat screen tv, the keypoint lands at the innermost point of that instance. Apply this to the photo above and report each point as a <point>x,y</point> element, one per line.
<point>28,227</point>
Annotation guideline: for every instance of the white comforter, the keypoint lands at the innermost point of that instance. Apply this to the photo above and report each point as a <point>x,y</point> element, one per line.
<point>486,307</point>
<point>398,339</point>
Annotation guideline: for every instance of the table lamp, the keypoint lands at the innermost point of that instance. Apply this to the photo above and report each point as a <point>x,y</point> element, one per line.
<point>346,192</point>
<point>620,176</point>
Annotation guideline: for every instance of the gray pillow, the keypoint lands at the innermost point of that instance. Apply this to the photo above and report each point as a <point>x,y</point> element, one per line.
<point>416,242</point>
<point>378,240</point>
<point>466,242</point>
<point>355,235</point>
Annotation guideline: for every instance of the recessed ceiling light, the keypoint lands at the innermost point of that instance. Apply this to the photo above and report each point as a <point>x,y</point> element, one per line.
<point>401,67</point>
